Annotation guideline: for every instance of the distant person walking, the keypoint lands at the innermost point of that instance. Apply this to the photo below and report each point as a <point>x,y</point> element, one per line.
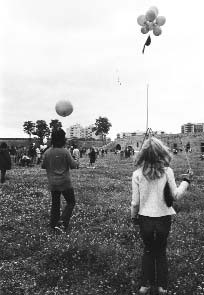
<point>92,157</point>
<point>150,210</point>
<point>76,155</point>
<point>58,161</point>
<point>5,160</point>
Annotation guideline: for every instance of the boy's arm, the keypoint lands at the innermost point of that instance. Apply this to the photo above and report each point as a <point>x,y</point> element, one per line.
<point>72,163</point>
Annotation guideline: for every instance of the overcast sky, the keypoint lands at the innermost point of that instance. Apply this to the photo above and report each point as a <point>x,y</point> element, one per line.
<point>77,49</point>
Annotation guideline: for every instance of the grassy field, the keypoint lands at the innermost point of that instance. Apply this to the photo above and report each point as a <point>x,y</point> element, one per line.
<point>101,254</point>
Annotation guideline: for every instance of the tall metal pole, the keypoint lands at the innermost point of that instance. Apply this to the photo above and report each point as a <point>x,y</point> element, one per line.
<point>147,106</point>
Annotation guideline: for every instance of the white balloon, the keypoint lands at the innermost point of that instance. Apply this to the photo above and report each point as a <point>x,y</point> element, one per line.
<point>160,20</point>
<point>157,30</point>
<point>150,15</point>
<point>141,20</point>
<point>64,108</point>
<point>155,9</point>
<point>144,30</point>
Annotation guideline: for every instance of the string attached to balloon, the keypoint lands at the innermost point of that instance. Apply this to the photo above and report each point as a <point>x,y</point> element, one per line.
<point>151,22</point>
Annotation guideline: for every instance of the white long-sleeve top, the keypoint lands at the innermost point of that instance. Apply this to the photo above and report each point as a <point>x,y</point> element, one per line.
<point>148,195</point>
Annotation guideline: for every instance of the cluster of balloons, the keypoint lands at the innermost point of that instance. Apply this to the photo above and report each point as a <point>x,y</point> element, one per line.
<point>151,21</point>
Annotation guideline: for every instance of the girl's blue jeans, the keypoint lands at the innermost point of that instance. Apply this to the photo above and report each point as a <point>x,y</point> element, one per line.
<point>154,232</point>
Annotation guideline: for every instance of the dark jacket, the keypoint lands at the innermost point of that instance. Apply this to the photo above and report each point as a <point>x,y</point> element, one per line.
<point>5,159</point>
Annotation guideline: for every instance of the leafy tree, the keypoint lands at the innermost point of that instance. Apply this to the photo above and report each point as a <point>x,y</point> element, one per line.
<point>29,127</point>
<point>102,127</point>
<point>55,124</point>
<point>41,129</point>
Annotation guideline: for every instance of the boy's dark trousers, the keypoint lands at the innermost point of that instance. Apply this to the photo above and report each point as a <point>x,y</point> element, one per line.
<point>154,232</point>
<point>55,209</point>
<point>3,175</point>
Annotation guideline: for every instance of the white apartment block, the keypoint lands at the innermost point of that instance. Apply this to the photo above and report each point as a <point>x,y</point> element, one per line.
<point>78,131</point>
<point>192,128</point>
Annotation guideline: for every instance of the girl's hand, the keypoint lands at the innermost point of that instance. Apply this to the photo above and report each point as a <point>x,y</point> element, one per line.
<point>188,176</point>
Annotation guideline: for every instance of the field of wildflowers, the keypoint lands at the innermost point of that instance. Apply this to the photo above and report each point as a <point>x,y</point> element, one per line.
<point>101,253</point>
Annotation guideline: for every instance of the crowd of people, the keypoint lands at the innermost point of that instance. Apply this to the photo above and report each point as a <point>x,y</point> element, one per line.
<point>151,207</point>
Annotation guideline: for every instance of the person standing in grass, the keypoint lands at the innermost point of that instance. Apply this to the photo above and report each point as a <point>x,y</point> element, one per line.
<point>5,160</point>
<point>58,161</point>
<point>150,210</point>
<point>76,155</point>
<point>92,157</point>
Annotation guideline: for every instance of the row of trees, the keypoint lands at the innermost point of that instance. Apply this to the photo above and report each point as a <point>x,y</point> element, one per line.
<point>42,130</point>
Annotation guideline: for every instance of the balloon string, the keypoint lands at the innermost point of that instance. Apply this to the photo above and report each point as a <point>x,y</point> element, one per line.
<point>187,159</point>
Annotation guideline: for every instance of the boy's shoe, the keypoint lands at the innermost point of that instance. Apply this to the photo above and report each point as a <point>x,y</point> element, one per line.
<point>162,290</point>
<point>144,290</point>
<point>59,229</point>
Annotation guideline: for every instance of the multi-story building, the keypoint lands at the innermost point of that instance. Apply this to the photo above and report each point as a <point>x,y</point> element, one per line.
<point>78,131</point>
<point>192,128</point>
<point>199,127</point>
<point>75,130</point>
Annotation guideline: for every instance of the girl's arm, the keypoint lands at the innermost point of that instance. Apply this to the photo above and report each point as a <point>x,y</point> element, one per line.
<point>135,196</point>
<point>177,191</point>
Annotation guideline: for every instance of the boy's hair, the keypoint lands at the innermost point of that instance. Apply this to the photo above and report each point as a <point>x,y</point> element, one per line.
<point>3,145</point>
<point>153,158</point>
<point>58,138</point>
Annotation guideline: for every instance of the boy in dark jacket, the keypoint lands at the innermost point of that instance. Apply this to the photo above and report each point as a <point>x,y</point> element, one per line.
<point>57,161</point>
<point>5,160</point>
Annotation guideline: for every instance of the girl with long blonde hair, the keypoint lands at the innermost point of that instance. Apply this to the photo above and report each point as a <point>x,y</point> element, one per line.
<point>150,209</point>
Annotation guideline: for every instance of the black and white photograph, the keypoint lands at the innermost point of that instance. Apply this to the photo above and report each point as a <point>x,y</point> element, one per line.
<point>101,147</point>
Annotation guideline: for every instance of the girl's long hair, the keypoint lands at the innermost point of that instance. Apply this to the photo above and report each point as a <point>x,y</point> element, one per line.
<point>153,158</point>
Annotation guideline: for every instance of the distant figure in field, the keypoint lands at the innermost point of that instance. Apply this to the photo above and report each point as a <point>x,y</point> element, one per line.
<point>76,155</point>
<point>150,209</point>
<point>92,157</point>
<point>58,161</point>
<point>202,156</point>
<point>5,160</point>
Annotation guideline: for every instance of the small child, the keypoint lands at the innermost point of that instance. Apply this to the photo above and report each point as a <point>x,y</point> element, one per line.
<point>57,161</point>
<point>5,160</point>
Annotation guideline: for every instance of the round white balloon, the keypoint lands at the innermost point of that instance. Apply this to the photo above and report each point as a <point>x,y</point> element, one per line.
<point>155,9</point>
<point>141,20</point>
<point>64,108</point>
<point>144,30</point>
<point>150,15</point>
<point>160,20</point>
<point>157,31</point>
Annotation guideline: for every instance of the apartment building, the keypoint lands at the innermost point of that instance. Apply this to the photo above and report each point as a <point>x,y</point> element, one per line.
<point>78,131</point>
<point>192,128</point>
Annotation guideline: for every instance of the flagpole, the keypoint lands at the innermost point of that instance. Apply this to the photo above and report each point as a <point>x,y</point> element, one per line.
<point>147,123</point>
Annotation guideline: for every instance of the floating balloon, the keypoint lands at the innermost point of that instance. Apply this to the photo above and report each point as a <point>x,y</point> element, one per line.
<point>141,20</point>
<point>151,22</point>
<point>157,31</point>
<point>145,30</point>
<point>160,20</point>
<point>155,9</point>
<point>64,108</point>
<point>150,15</point>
